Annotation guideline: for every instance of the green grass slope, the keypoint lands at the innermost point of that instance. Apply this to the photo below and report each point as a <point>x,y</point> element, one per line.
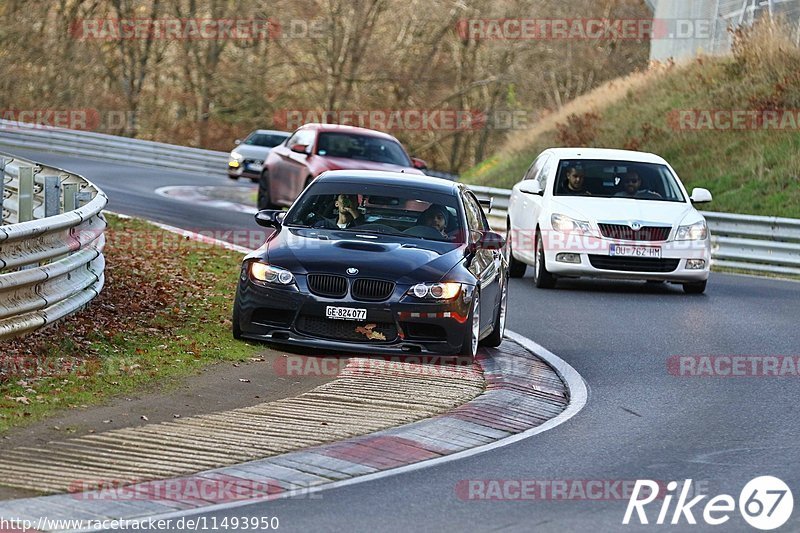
<point>754,170</point>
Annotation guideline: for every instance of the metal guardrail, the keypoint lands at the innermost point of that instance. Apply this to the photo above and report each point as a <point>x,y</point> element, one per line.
<point>762,244</point>
<point>111,148</point>
<point>123,149</point>
<point>51,244</point>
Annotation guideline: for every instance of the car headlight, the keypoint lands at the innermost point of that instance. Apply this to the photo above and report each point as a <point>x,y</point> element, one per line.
<point>693,232</point>
<point>566,224</point>
<point>270,273</point>
<point>435,291</point>
<point>236,156</point>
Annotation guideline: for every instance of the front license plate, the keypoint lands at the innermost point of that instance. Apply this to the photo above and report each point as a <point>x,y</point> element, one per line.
<point>625,250</point>
<point>254,166</point>
<point>345,313</point>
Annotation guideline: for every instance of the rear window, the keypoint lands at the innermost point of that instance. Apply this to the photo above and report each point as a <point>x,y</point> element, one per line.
<point>268,140</point>
<point>363,147</point>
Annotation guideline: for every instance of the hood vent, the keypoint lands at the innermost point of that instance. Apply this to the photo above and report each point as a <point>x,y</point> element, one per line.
<point>363,246</point>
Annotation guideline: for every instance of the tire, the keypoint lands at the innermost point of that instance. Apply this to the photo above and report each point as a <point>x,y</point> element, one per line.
<point>516,269</point>
<point>255,180</point>
<point>236,329</point>
<point>469,347</point>
<point>695,287</point>
<point>264,201</point>
<point>499,329</point>
<point>541,277</point>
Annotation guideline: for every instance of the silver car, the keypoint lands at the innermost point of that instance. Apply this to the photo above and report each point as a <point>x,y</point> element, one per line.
<point>248,157</point>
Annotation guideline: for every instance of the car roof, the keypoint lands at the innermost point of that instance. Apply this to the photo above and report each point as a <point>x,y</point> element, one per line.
<point>345,129</point>
<point>272,132</point>
<point>400,179</point>
<point>606,153</point>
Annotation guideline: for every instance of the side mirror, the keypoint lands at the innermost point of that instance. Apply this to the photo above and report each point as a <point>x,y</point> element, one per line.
<point>531,187</point>
<point>419,163</point>
<point>237,142</point>
<point>270,218</point>
<point>700,196</point>
<point>491,241</point>
<point>300,148</point>
<point>485,240</point>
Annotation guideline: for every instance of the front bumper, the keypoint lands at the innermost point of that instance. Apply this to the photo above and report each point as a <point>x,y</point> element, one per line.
<point>245,169</point>
<point>597,262</point>
<point>293,315</point>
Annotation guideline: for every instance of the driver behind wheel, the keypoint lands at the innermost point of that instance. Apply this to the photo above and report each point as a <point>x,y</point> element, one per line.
<point>434,216</point>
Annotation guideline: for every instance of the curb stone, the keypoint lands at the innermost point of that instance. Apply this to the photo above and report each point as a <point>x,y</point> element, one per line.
<point>523,392</point>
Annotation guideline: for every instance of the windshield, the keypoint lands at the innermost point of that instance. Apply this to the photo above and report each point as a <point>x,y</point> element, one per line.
<point>364,147</point>
<point>616,179</point>
<point>265,139</point>
<point>403,212</point>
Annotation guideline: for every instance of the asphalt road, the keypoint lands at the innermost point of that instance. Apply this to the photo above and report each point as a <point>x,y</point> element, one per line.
<point>130,192</point>
<point>640,421</point>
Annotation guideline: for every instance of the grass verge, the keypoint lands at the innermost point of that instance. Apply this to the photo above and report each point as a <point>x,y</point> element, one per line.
<point>752,170</point>
<point>163,314</point>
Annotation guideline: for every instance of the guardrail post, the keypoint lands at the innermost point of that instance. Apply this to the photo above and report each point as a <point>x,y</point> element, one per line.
<point>25,194</point>
<point>52,198</point>
<point>70,197</point>
<point>2,186</point>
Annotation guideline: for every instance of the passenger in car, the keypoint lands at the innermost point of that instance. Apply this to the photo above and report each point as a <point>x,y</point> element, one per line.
<point>576,183</point>
<point>631,187</point>
<point>349,216</point>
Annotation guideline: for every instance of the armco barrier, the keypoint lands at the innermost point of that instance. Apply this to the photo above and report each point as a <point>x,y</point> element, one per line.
<point>761,244</point>
<point>111,148</point>
<point>51,244</point>
<point>121,149</point>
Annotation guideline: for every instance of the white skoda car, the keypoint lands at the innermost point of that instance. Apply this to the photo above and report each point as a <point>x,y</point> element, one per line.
<point>588,212</point>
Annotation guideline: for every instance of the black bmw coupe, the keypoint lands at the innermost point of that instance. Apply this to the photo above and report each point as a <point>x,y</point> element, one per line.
<point>376,262</point>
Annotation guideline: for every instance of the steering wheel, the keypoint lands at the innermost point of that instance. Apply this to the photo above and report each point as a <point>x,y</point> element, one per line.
<point>380,228</point>
<point>424,232</point>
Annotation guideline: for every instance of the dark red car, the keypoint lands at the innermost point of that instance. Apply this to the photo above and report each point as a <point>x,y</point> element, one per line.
<point>314,148</point>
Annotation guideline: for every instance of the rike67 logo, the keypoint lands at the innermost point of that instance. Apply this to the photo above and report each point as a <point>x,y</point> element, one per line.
<point>765,503</point>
